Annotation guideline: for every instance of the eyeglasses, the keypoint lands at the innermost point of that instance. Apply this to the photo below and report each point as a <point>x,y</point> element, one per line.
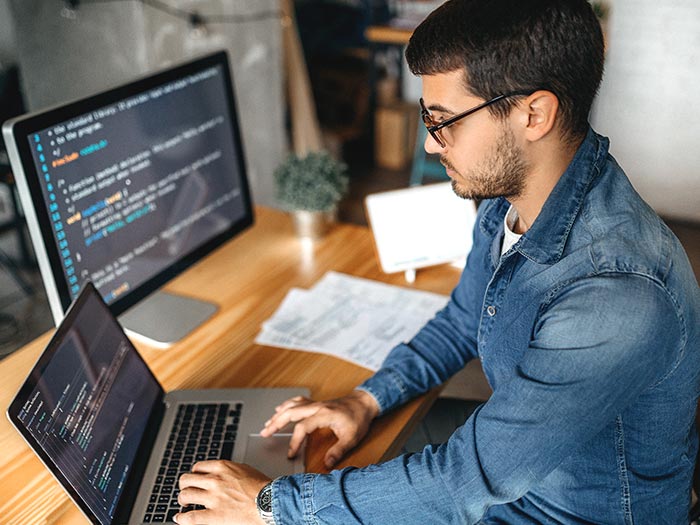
<point>437,129</point>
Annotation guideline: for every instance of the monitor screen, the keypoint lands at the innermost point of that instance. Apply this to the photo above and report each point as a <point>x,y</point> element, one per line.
<point>130,186</point>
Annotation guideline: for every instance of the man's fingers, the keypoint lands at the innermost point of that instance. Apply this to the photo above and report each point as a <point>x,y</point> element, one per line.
<point>198,481</point>
<point>192,517</point>
<point>289,403</point>
<point>213,465</point>
<point>324,419</point>
<point>299,434</point>
<point>193,496</point>
<point>338,450</point>
<point>347,417</point>
<point>291,415</point>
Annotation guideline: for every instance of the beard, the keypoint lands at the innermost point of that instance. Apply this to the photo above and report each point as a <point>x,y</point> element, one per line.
<point>501,174</point>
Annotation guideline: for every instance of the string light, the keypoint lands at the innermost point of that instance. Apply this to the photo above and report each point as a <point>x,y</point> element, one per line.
<point>195,19</point>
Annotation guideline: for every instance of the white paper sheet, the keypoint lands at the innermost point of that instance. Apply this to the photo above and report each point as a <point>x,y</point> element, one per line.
<point>355,319</point>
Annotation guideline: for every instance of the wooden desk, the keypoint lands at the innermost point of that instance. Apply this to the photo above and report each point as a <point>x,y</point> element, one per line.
<point>388,35</point>
<point>248,278</point>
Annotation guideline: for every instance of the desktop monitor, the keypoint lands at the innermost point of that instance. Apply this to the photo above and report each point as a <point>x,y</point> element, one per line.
<point>129,187</point>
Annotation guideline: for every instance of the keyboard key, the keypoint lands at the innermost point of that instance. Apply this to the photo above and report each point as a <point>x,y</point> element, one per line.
<point>227,450</point>
<point>200,432</point>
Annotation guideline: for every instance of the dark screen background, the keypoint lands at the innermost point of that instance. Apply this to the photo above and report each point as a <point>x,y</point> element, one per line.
<point>90,407</point>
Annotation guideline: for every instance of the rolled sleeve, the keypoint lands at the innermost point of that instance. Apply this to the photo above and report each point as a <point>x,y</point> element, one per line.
<point>292,499</point>
<point>387,389</point>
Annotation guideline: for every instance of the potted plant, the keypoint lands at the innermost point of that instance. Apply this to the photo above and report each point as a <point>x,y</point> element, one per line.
<point>310,187</point>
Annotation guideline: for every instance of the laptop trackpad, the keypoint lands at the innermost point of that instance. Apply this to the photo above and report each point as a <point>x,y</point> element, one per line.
<point>269,454</point>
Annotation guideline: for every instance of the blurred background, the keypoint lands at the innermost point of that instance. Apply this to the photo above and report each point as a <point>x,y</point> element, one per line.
<point>363,99</point>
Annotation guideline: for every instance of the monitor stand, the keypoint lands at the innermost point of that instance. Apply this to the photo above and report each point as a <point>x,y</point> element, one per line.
<point>163,318</point>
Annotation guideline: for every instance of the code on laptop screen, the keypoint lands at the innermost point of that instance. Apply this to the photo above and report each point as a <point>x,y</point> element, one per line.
<point>90,407</point>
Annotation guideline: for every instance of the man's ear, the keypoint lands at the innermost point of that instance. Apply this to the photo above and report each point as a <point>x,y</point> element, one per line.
<point>538,114</point>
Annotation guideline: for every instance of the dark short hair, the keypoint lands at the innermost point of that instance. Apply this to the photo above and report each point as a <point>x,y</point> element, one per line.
<point>513,45</point>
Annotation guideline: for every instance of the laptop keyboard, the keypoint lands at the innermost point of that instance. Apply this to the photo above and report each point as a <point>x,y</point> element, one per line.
<point>200,432</point>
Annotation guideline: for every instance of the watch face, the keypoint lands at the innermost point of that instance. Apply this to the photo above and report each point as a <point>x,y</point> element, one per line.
<point>265,499</point>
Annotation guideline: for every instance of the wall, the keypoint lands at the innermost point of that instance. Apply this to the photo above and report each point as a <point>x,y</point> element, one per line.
<point>7,36</point>
<point>66,54</point>
<point>648,103</point>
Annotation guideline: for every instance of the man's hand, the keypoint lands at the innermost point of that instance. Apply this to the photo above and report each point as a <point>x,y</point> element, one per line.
<point>227,490</point>
<point>348,417</point>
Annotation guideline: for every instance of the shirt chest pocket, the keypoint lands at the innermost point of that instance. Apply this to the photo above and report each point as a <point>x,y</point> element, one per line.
<point>507,340</point>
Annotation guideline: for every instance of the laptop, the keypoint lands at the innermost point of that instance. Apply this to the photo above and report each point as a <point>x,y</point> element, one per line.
<point>116,442</point>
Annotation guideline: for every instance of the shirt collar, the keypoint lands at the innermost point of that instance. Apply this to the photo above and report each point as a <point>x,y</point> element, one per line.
<point>544,242</point>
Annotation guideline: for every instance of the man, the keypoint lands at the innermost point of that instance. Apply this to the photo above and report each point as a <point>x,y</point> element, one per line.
<point>580,303</point>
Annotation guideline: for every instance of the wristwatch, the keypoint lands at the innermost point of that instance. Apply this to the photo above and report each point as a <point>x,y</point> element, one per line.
<point>264,504</point>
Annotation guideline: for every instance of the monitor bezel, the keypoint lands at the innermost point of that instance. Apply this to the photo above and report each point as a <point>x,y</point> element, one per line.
<point>17,132</point>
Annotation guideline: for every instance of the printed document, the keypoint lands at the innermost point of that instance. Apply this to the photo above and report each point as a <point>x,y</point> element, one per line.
<point>355,319</point>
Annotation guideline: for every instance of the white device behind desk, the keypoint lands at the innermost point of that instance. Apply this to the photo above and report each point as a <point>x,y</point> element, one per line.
<point>420,226</point>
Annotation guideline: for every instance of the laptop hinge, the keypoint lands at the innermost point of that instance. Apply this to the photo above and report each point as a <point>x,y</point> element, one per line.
<point>131,489</point>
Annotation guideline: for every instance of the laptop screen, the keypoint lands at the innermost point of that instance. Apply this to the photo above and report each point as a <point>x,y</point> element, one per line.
<point>86,405</point>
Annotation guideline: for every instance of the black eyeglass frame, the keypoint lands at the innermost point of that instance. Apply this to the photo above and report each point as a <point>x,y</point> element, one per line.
<point>434,128</point>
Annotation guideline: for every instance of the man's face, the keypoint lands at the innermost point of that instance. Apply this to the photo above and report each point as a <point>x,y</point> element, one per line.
<point>481,153</point>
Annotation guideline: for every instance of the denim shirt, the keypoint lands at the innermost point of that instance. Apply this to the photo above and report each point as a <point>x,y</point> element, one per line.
<point>588,330</point>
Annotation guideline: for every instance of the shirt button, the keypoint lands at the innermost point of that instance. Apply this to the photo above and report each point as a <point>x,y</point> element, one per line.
<point>491,311</point>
